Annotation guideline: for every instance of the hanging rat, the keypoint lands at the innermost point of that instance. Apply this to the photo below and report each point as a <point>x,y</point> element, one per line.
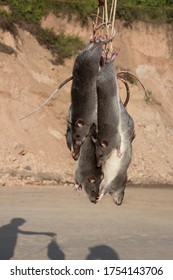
<point>88,175</point>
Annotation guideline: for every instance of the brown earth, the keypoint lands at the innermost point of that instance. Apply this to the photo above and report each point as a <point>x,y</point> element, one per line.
<point>35,150</point>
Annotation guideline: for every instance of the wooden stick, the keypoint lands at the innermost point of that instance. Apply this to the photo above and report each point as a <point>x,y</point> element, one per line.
<point>110,16</point>
<point>106,17</point>
<point>114,12</point>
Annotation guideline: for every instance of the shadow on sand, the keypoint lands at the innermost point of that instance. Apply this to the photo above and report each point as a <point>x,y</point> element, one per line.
<point>9,234</point>
<point>54,252</point>
<point>102,252</point>
<point>8,240</point>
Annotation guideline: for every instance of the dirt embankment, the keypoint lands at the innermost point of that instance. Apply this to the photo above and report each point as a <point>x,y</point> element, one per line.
<point>35,148</point>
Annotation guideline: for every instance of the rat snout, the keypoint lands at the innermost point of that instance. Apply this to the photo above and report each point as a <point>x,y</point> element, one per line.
<point>93,200</point>
<point>77,139</point>
<point>75,151</point>
<point>78,143</point>
<point>75,154</point>
<point>99,157</point>
<point>100,163</point>
<point>75,157</point>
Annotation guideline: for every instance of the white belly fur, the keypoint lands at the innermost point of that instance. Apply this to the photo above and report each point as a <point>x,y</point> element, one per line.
<point>112,166</point>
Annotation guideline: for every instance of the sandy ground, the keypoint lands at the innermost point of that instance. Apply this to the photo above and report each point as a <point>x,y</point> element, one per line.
<point>59,224</point>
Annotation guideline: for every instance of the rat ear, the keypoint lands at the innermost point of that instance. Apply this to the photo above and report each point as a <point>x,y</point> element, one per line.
<point>104,143</point>
<point>80,123</point>
<point>91,179</point>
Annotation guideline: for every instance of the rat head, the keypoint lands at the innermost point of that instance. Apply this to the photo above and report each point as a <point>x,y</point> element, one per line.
<point>75,149</point>
<point>79,132</point>
<point>68,135</point>
<point>105,147</point>
<point>91,186</point>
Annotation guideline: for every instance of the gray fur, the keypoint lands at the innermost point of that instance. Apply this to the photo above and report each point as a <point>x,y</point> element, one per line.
<point>83,93</point>
<point>75,149</point>
<point>108,136</point>
<point>115,169</point>
<point>88,175</point>
<point>68,134</point>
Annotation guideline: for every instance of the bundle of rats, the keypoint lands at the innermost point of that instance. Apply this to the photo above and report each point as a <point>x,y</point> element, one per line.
<point>99,130</point>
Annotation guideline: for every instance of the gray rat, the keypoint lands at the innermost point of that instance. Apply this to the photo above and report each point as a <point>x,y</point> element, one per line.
<point>108,111</point>
<point>88,175</point>
<point>69,126</point>
<point>83,93</point>
<point>115,168</point>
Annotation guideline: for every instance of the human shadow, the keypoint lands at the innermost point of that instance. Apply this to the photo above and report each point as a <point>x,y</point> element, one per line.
<point>9,234</point>
<point>102,252</point>
<point>54,252</point>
